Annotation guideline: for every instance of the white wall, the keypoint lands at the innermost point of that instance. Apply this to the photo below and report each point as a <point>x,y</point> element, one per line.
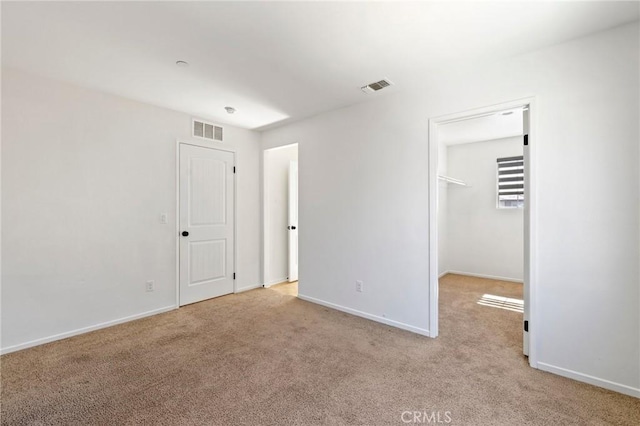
<point>85,176</point>
<point>484,128</point>
<point>364,207</point>
<point>443,208</point>
<point>276,189</point>
<point>482,239</point>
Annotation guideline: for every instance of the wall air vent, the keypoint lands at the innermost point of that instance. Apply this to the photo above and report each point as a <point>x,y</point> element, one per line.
<point>374,87</point>
<point>204,130</point>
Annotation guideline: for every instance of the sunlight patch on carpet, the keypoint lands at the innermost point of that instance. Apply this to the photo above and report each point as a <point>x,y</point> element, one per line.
<point>493,301</point>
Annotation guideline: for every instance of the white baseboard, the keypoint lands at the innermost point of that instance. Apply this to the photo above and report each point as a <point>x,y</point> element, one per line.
<point>617,387</point>
<point>368,316</point>
<point>83,330</point>
<point>443,274</point>
<point>251,287</point>
<point>491,277</point>
<point>276,281</point>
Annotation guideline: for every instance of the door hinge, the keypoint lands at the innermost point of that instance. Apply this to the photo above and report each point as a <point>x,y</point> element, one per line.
<point>234,275</point>
<point>526,326</point>
<point>234,169</point>
<point>526,139</point>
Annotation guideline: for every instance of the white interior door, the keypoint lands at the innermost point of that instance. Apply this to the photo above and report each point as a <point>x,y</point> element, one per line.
<point>206,223</point>
<point>527,212</point>
<point>293,221</point>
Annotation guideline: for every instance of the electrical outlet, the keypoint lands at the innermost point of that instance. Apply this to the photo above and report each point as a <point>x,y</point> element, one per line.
<point>359,286</point>
<point>150,285</point>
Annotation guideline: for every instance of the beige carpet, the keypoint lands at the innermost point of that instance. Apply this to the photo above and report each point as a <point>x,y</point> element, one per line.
<point>265,357</point>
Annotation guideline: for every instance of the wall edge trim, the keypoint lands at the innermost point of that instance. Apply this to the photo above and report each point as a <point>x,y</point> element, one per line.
<point>491,277</point>
<point>592,380</point>
<point>83,330</point>
<point>376,318</point>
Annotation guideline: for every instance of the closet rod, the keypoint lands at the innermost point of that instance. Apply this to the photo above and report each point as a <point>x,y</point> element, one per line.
<point>452,180</point>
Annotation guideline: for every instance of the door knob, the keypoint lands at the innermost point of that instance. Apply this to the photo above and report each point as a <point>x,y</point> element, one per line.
<point>185,234</point>
<point>292,227</point>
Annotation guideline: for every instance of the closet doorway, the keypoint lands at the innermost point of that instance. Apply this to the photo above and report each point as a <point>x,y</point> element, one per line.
<point>280,180</point>
<point>482,210</point>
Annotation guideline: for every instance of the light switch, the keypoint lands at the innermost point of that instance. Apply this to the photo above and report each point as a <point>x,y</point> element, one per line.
<point>164,218</point>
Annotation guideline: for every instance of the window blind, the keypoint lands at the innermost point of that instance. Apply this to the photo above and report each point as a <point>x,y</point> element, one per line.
<point>511,181</point>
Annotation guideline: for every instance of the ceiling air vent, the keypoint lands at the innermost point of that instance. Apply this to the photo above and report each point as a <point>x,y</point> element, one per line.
<point>204,130</point>
<point>374,87</point>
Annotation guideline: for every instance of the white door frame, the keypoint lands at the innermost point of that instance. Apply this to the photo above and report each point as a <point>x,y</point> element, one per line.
<point>235,210</point>
<point>530,204</point>
<point>265,215</point>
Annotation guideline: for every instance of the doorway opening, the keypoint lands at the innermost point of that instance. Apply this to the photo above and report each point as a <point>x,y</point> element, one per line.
<point>280,189</point>
<point>482,206</point>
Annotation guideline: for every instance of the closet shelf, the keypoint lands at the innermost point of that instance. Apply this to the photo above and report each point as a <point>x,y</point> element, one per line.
<point>452,180</point>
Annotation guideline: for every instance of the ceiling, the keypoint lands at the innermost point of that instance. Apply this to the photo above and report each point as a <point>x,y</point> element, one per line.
<point>278,61</point>
<point>488,127</point>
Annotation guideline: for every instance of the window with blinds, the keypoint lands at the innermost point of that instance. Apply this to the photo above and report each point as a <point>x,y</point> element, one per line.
<point>510,182</point>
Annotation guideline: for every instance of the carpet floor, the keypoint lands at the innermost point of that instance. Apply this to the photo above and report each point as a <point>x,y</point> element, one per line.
<point>266,357</point>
